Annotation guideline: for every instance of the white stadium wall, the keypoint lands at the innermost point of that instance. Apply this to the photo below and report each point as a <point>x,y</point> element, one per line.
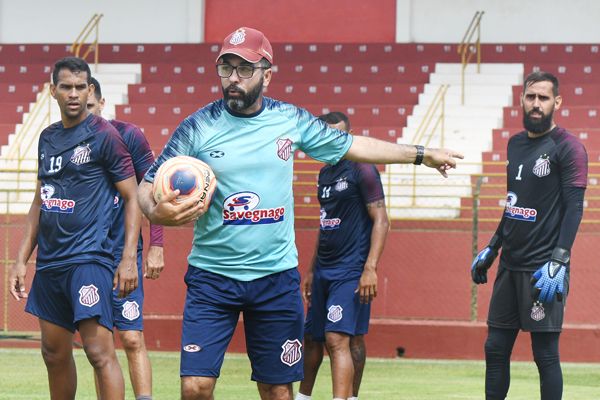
<point>504,21</point>
<point>124,21</point>
<point>183,21</point>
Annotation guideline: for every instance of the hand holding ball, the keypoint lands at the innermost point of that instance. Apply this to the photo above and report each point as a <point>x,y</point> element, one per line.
<point>193,178</point>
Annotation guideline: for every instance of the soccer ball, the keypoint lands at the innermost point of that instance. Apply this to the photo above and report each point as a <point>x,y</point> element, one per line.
<point>194,179</point>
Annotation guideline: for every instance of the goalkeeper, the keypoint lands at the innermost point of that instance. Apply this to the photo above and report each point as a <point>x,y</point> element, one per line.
<point>546,181</point>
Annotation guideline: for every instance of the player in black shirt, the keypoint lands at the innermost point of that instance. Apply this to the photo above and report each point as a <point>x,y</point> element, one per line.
<point>546,181</point>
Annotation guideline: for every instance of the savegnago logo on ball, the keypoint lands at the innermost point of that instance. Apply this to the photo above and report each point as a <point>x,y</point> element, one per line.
<point>242,209</point>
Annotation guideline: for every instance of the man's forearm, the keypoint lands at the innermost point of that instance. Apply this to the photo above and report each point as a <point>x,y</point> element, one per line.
<point>29,241</point>
<point>368,150</point>
<point>133,217</point>
<point>146,200</point>
<point>378,236</point>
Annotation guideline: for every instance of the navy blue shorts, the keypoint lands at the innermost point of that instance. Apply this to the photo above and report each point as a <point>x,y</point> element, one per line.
<point>69,294</point>
<point>335,305</point>
<point>273,323</point>
<point>128,311</point>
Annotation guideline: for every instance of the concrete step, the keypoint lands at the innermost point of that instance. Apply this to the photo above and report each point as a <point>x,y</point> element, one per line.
<point>475,79</point>
<point>484,68</point>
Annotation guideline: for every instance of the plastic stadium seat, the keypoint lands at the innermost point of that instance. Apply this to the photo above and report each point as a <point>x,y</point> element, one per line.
<point>581,94</point>
<point>12,112</point>
<point>569,117</point>
<point>569,73</point>
<point>298,92</point>
<point>298,72</point>
<point>589,137</point>
<point>25,73</point>
<point>20,92</point>
<point>143,114</point>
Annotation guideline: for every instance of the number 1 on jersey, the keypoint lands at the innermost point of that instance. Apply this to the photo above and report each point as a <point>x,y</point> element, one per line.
<point>518,178</point>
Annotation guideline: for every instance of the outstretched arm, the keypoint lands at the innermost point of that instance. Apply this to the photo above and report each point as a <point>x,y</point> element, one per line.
<point>369,150</point>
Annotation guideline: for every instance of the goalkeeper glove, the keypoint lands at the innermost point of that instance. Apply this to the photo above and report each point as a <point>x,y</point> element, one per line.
<point>549,279</point>
<point>484,261</point>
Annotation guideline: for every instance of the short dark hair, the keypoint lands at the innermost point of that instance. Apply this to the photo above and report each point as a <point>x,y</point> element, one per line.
<point>541,76</point>
<point>73,64</point>
<point>264,63</point>
<point>97,89</point>
<point>335,117</point>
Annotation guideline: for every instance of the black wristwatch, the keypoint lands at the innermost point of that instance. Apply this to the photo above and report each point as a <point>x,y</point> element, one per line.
<point>420,154</point>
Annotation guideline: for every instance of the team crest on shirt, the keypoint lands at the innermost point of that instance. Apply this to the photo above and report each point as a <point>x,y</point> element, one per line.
<point>542,166</point>
<point>242,209</point>
<point>116,201</point>
<point>284,148</point>
<point>131,310</point>
<point>53,204</point>
<point>341,184</point>
<point>88,295</point>
<point>328,224</point>
<point>512,211</point>
<point>335,313</point>
<point>81,155</point>
<point>238,37</point>
<point>291,353</point>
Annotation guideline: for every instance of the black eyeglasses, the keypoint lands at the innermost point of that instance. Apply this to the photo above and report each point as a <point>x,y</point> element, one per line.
<point>243,71</point>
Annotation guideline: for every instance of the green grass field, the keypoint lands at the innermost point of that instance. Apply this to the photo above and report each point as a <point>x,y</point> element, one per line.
<point>23,376</point>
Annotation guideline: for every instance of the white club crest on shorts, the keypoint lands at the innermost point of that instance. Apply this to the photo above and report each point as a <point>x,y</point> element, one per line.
<point>131,310</point>
<point>335,313</point>
<point>291,353</point>
<point>238,37</point>
<point>88,295</point>
<point>542,166</point>
<point>284,149</point>
<point>537,311</point>
<point>81,155</point>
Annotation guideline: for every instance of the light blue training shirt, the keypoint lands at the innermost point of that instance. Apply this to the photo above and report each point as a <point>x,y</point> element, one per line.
<point>248,231</point>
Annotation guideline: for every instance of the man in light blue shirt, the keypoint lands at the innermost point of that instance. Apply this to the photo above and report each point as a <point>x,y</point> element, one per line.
<point>243,257</point>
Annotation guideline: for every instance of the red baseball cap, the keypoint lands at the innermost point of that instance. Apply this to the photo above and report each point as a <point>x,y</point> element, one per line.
<point>248,43</point>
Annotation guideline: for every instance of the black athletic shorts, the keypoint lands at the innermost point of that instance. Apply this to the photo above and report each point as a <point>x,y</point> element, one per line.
<point>512,305</point>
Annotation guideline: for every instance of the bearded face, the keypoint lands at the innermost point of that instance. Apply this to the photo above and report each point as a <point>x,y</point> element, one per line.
<point>536,121</point>
<point>239,99</point>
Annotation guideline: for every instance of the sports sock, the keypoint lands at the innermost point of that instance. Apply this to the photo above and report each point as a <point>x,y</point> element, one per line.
<point>301,396</point>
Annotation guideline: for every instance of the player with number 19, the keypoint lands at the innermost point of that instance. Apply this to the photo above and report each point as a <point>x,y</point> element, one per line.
<point>546,182</point>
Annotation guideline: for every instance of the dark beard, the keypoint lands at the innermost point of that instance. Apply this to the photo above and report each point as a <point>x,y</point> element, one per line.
<point>542,125</point>
<point>242,103</point>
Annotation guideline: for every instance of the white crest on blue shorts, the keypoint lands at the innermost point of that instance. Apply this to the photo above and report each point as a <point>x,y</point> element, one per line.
<point>291,353</point>
<point>131,310</point>
<point>88,295</point>
<point>335,313</point>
